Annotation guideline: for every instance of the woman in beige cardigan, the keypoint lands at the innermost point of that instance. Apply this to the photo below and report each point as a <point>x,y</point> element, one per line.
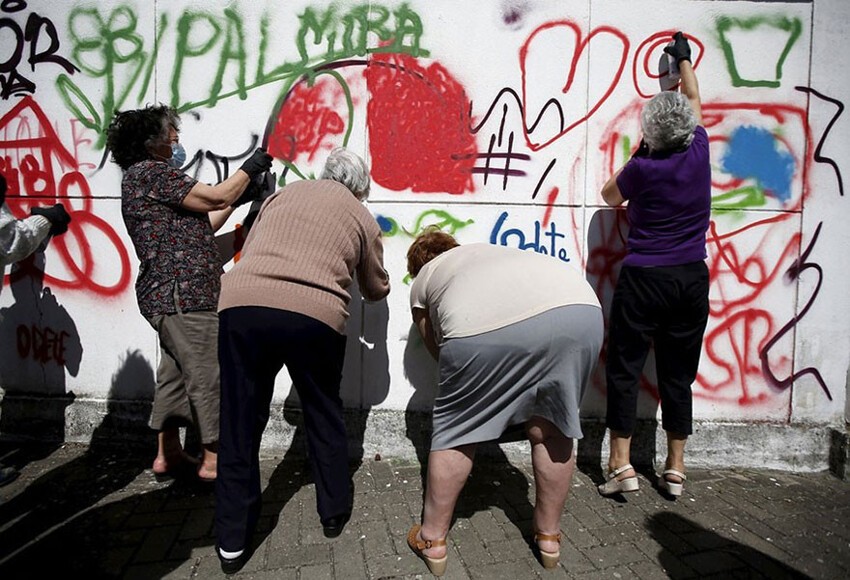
<point>286,303</point>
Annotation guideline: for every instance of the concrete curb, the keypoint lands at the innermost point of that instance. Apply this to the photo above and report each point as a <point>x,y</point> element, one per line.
<point>404,435</point>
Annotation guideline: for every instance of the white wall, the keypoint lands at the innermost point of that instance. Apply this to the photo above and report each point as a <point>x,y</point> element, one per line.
<point>553,89</point>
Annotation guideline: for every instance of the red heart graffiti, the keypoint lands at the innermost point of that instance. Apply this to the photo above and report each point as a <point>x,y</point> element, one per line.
<point>581,45</point>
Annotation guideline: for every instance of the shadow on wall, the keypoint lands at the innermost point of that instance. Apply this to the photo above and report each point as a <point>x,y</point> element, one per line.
<point>56,514</point>
<point>39,343</point>
<point>129,405</point>
<point>365,374</point>
<point>689,549</point>
<point>422,372</point>
<point>606,248</point>
<point>108,465</point>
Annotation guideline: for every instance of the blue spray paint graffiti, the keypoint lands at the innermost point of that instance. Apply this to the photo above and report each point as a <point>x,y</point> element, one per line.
<point>548,247</point>
<point>386,224</point>
<point>753,152</point>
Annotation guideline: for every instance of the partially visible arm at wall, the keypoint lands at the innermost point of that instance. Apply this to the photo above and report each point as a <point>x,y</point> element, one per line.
<point>20,238</point>
<point>610,192</point>
<point>423,323</point>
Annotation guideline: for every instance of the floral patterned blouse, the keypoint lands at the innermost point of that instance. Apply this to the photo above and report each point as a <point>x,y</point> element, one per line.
<point>180,262</point>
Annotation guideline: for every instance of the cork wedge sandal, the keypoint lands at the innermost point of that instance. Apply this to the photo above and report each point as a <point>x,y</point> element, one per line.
<point>437,566</point>
<point>548,559</point>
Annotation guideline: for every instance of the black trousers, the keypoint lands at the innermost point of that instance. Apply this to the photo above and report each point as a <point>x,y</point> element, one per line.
<point>254,343</point>
<point>668,307</point>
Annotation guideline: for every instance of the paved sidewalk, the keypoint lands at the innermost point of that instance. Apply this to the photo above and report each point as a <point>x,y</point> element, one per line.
<point>98,513</point>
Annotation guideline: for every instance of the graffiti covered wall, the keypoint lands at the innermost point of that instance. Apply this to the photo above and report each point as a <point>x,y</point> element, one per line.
<point>498,122</point>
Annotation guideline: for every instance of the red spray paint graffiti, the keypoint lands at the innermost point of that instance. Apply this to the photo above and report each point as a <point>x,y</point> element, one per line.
<point>614,72</point>
<point>645,66</point>
<point>738,328</point>
<point>418,125</point>
<point>307,120</point>
<point>43,344</point>
<point>40,170</point>
<point>416,117</point>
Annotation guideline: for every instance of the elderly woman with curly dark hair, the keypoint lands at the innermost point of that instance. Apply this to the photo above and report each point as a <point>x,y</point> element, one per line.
<point>661,295</point>
<point>517,335</point>
<point>171,218</point>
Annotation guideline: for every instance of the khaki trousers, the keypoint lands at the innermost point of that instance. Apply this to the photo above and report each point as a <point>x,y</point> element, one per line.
<point>187,379</point>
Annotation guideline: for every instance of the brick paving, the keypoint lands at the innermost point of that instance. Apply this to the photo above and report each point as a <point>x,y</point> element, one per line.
<point>98,512</point>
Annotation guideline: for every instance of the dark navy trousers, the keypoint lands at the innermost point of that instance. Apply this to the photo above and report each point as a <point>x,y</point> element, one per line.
<point>665,307</point>
<point>254,344</point>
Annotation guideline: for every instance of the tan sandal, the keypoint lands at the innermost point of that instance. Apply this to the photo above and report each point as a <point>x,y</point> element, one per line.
<point>437,566</point>
<point>548,559</point>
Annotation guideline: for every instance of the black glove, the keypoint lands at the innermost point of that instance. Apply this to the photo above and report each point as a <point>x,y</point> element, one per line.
<point>2,189</point>
<point>642,150</point>
<point>680,50</point>
<point>260,188</point>
<point>56,215</point>
<point>258,162</point>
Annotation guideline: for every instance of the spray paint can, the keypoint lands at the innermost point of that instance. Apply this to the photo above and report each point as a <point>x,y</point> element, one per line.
<point>672,68</point>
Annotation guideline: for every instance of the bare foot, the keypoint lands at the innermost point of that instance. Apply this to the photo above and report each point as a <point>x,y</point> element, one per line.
<point>163,464</point>
<point>209,465</point>
<point>207,473</point>
<point>160,465</point>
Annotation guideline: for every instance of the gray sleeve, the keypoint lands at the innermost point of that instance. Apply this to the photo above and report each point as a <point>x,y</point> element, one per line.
<point>20,238</point>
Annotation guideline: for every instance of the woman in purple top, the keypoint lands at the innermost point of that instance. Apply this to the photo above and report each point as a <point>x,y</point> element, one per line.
<point>661,296</point>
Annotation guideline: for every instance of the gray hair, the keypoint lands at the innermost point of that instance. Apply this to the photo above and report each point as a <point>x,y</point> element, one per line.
<point>668,121</point>
<point>349,169</point>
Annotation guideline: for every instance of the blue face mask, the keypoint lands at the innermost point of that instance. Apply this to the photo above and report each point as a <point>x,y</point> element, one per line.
<point>178,155</point>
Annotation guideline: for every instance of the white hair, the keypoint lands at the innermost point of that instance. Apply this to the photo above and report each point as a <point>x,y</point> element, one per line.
<point>347,168</point>
<point>668,121</point>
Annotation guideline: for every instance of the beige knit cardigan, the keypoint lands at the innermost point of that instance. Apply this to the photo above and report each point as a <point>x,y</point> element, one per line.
<point>303,251</point>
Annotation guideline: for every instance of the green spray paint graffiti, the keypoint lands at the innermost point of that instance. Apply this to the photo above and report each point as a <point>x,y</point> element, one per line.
<point>432,218</point>
<point>232,49</point>
<point>100,48</point>
<point>739,199</point>
<point>112,48</point>
<point>729,28</point>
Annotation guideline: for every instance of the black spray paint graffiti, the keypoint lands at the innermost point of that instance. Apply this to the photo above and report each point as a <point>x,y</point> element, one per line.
<point>39,33</point>
<point>818,156</point>
<point>220,163</point>
<point>793,273</point>
<point>497,140</point>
